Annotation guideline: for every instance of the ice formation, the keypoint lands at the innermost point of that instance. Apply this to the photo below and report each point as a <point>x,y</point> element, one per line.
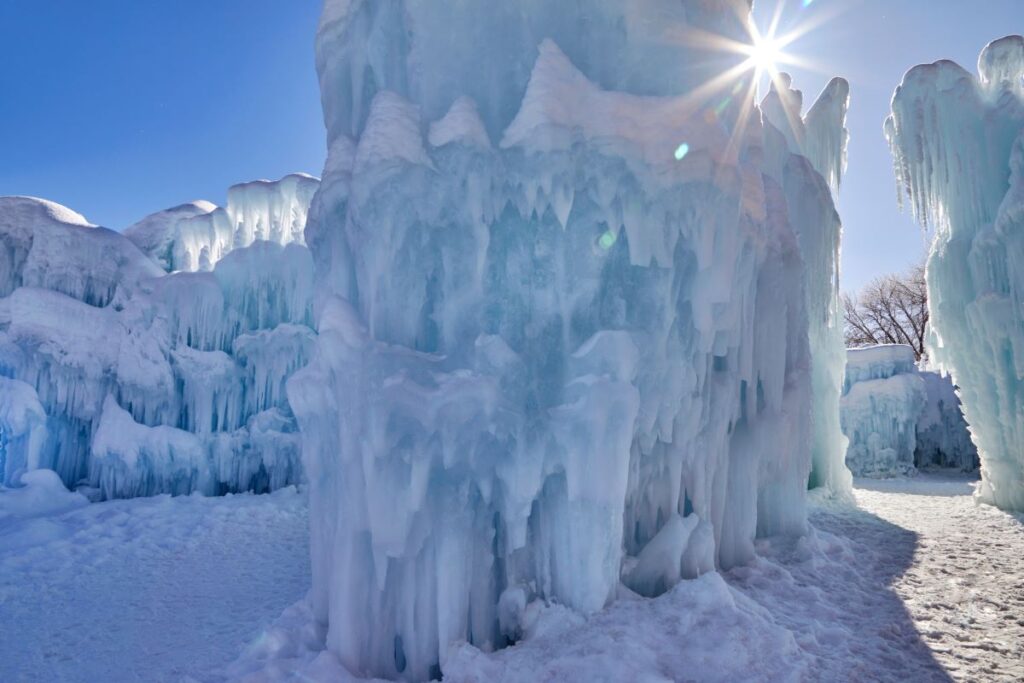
<point>562,313</point>
<point>820,137</point>
<point>943,437</point>
<point>196,235</point>
<point>899,418</point>
<point>116,374</point>
<point>958,143</point>
<point>883,397</point>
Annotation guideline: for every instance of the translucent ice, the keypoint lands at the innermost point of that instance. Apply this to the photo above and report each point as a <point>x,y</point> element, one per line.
<point>958,144</point>
<point>547,338</point>
<point>943,439</point>
<point>22,430</point>
<point>820,137</point>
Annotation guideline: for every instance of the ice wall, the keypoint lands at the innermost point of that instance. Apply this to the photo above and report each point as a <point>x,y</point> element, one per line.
<point>943,439</point>
<point>195,236</point>
<point>883,398</point>
<point>958,144</point>
<point>563,324</point>
<point>898,417</point>
<point>132,381</point>
<point>820,137</point>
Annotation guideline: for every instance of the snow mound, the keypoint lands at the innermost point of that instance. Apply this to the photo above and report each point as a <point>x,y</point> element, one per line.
<point>45,245</point>
<point>40,493</point>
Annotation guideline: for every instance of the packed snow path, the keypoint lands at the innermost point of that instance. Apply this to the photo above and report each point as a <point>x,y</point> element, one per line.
<point>149,589</point>
<point>964,586</point>
<point>918,583</point>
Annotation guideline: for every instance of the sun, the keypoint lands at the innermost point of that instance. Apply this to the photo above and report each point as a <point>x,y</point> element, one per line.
<point>766,51</point>
<point>765,54</point>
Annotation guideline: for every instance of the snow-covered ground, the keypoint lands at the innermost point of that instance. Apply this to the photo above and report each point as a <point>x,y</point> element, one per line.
<point>147,589</point>
<point>917,584</point>
<point>963,585</point>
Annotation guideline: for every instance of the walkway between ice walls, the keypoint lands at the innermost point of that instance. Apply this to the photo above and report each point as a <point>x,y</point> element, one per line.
<point>577,315</point>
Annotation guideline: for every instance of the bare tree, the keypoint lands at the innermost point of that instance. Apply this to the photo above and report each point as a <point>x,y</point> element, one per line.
<point>892,309</point>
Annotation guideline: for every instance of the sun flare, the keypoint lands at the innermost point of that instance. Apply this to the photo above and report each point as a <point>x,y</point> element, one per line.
<point>765,54</point>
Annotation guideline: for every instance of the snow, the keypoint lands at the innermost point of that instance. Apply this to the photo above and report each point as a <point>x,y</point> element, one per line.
<point>958,145</point>
<point>961,583</point>
<point>130,381</point>
<point>543,336</point>
<point>919,583</point>
<point>48,246</point>
<point>149,589</point>
<point>39,493</point>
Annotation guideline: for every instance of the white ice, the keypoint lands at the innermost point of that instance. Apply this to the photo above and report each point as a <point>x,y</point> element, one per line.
<point>196,235</point>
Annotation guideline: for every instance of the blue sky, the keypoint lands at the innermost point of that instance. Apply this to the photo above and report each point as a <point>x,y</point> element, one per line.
<point>118,108</point>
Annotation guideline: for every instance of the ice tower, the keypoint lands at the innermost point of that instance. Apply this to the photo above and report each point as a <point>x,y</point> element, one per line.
<point>820,137</point>
<point>562,313</point>
<point>958,144</point>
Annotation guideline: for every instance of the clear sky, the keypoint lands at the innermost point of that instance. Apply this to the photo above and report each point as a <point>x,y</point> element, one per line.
<point>118,108</point>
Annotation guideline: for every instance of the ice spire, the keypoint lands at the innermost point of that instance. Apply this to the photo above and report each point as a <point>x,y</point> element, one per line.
<point>818,140</point>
